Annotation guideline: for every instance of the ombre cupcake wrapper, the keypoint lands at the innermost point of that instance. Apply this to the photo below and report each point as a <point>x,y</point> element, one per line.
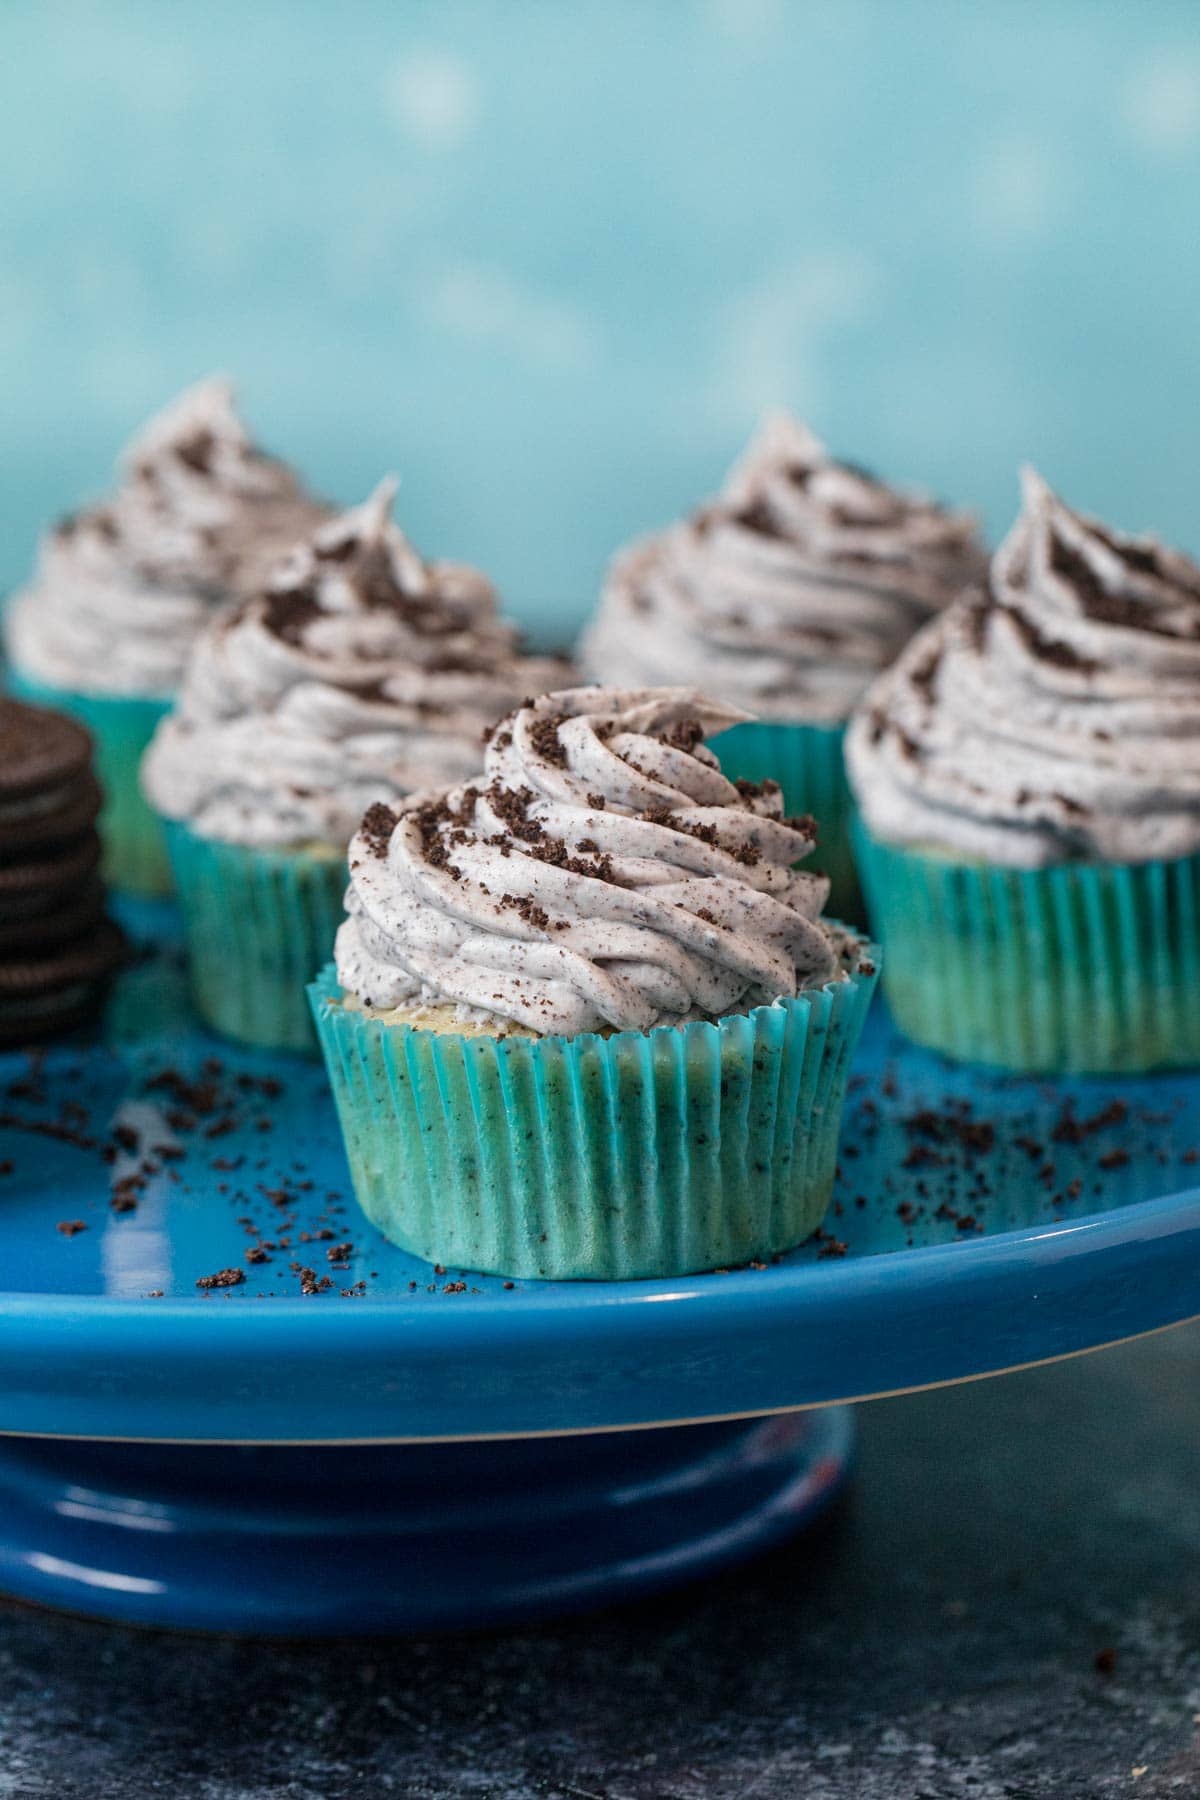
<point>640,1154</point>
<point>135,854</point>
<point>259,925</point>
<point>808,763</point>
<point>1080,968</point>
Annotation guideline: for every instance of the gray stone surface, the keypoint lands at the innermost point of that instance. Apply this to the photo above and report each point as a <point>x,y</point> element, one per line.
<point>935,1641</point>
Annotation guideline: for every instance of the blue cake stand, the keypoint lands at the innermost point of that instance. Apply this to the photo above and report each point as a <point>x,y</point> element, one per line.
<point>347,1440</point>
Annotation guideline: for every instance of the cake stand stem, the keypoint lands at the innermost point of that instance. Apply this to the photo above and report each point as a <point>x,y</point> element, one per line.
<point>329,1540</point>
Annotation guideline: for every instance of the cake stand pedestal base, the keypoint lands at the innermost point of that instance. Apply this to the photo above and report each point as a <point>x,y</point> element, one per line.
<point>331,1540</point>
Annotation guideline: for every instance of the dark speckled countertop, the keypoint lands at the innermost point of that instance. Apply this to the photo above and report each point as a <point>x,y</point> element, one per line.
<point>936,1640</point>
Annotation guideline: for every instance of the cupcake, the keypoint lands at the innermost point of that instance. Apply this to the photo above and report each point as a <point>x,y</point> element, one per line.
<point>123,589</point>
<point>1028,778</point>
<point>785,596</point>
<point>586,1019</point>
<point>358,673</point>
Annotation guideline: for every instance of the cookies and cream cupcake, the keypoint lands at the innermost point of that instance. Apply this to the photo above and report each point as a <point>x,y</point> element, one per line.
<point>1028,777</point>
<point>785,595</point>
<point>586,1017</point>
<point>123,589</point>
<point>357,673</point>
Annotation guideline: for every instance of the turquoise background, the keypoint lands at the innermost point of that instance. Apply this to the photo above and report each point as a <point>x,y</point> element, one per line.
<point>548,261</point>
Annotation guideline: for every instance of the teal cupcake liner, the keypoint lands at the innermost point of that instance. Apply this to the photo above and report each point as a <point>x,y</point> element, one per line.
<point>1080,968</point>
<point>259,924</point>
<point>135,854</point>
<point>808,763</point>
<point>603,1158</point>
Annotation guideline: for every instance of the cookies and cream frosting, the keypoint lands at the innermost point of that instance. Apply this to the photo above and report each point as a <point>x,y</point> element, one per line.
<point>790,591</point>
<point>123,588</point>
<point>600,873</point>
<point>1053,716</point>
<point>357,674</point>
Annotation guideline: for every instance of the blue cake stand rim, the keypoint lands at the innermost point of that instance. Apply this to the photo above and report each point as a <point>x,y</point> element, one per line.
<point>127,1349</point>
<point>608,1356</point>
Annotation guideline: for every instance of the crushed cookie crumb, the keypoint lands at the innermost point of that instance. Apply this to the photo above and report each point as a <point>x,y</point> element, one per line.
<point>543,735</point>
<point>379,822</point>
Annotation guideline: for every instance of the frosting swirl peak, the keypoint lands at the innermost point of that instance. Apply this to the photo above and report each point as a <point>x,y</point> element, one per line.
<point>600,873</point>
<point>358,673</point>
<point>790,590</point>
<point>201,502</point>
<point>123,587</point>
<point>1051,717</point>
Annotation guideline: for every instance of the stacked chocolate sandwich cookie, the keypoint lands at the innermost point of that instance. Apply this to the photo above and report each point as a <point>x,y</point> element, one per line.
<point>57,947</point>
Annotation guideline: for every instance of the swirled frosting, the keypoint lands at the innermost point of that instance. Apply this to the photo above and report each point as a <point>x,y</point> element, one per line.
<point>123,588</point>
<point>600,873</point>
<point>790,591</point>
<point>359,673</point>
<point>1055,715</point>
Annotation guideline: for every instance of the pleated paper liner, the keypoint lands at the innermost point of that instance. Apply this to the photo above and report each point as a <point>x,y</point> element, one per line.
<point>604,1158</point>
<point>1084,968</point>
<point>807,762</point>
<point>259,924</point>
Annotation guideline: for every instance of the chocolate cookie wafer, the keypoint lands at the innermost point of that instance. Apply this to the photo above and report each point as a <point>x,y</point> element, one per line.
<point>40,751</point>
<point>55,817</point>
<point>57,948</point>
<point>45,925</point>
<point>46,879</point>
<point>54,989</point>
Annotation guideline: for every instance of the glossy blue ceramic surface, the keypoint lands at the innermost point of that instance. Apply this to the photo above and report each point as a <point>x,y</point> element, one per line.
<point>961,1257</point>
<point>401,1538</point>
